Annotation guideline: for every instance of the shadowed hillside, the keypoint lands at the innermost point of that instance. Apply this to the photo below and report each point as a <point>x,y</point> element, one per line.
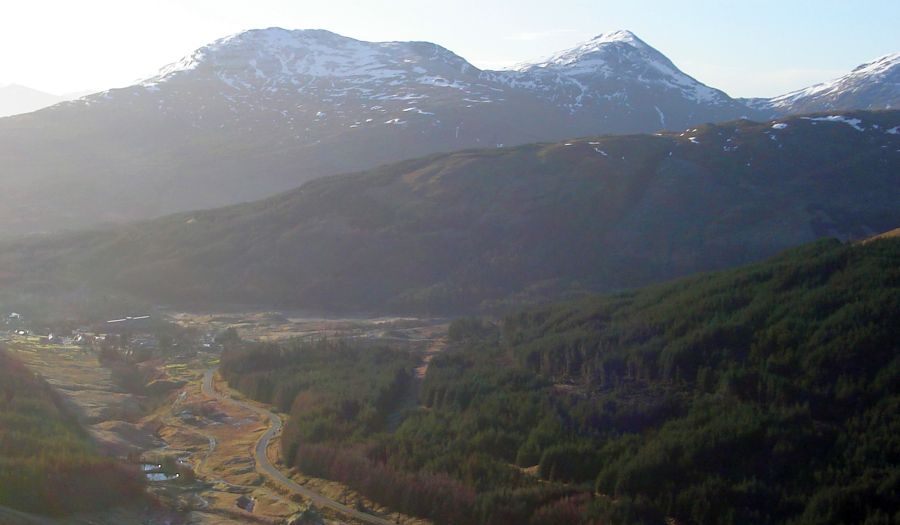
<point>475,229</point>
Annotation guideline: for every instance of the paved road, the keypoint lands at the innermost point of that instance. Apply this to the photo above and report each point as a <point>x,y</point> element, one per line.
<point>267,468</point>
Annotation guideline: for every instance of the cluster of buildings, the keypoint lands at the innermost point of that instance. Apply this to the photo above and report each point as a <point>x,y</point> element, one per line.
<point>15,325</point>
<point>130,334</point>
<point>82,336</point>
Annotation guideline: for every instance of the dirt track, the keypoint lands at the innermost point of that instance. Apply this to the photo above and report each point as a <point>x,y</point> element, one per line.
<point>266,467</point>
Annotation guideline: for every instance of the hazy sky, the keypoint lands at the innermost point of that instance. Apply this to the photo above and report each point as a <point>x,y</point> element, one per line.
<point>747,48</point>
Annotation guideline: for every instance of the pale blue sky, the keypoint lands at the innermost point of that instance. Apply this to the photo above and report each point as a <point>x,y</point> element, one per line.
<point>748,48</point>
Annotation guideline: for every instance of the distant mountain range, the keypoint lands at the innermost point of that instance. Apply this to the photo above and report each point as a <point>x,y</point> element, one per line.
<point>265,110</point>
<point>476,229</point>
<point>16,99</point>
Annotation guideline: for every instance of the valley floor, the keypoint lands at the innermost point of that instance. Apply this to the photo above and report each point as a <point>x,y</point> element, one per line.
<point>228,446</point>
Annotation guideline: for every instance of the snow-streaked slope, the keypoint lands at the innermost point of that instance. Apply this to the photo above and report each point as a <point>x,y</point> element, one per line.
<point>873,85</point>
<point>279,55</point>
<point>617,68</point>
<point>302,81</point>
<point>309,61</point>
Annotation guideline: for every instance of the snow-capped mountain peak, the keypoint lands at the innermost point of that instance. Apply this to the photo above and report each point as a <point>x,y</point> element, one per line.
<point>277,56</point>
<point>609,66</point>
<point>310,82</point>
<point>595,54</point>
<point>878,68</point>
<point>621,35</point>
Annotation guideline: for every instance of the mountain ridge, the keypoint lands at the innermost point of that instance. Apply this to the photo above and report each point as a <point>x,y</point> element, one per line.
<point>871,85</point>
<point>478,229</point>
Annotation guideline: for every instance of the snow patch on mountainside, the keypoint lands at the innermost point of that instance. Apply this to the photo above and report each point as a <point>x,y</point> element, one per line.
<point>852,122</point>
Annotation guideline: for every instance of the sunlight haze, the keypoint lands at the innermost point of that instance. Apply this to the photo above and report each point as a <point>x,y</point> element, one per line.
<point>760,48</point>
<point>533,262</point>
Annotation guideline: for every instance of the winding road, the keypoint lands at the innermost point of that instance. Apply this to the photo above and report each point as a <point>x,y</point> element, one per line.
<point>265,467</point>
